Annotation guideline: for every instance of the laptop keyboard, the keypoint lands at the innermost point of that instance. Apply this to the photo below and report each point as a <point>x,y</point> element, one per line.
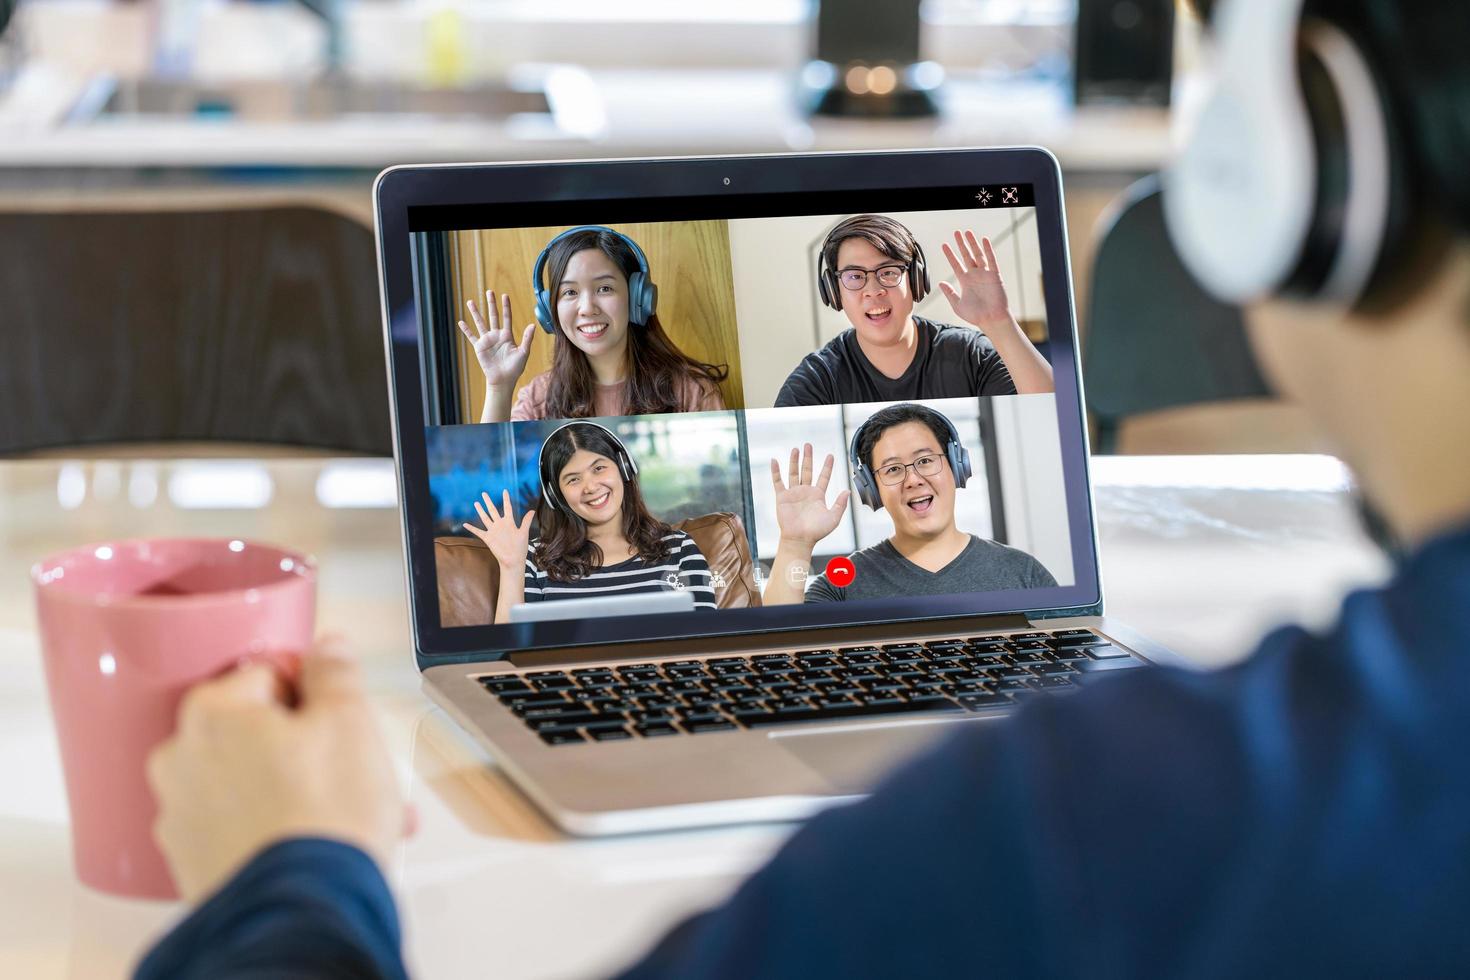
<point>978,674</point>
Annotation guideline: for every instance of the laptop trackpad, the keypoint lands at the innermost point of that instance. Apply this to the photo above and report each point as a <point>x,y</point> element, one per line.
<point>853,760</point>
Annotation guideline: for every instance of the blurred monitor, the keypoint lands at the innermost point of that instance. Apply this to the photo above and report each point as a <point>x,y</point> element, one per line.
<point>1124,52</point>
<point>872,33</point>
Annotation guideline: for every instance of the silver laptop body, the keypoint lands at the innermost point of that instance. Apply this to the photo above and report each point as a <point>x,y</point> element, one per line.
<point>739,773</point>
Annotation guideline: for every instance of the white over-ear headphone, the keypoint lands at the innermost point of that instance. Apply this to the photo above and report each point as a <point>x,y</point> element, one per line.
<point>1285,185</point>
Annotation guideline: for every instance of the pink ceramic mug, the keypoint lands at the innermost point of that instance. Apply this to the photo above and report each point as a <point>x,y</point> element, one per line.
<point>126,628</point>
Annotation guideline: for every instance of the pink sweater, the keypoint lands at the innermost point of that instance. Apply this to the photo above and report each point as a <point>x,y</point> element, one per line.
<point>612,400</point>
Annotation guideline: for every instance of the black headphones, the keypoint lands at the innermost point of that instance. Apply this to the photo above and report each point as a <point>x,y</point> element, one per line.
<point>955,452</point>
<point>829,289</point>
<point>627,465</point>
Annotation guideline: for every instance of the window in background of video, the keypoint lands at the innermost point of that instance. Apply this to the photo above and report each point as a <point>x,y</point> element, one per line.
<point>688,465</point>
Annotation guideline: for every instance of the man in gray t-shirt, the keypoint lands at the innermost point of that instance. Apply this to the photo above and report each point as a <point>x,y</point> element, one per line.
<point>984,566</point>
<point>907,460</point>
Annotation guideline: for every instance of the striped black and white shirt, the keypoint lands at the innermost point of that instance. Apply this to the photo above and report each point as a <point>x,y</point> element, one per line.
<point>682,567</point>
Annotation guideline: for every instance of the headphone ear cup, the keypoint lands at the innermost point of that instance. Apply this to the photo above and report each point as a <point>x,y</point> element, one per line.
<point>543,311</point>
<point>959,464</point>
<point>866,487</point>
<point>919,274</point>
<point>650,300</point>
<point>824,288</point>
<point>635,300</point>
<point>628,465</point>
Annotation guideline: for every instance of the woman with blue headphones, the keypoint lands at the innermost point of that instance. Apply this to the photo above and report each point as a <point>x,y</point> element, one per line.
<point>611,355</point>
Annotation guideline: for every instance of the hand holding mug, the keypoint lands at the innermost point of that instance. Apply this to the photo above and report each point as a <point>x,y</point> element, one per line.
<point>245,769</point>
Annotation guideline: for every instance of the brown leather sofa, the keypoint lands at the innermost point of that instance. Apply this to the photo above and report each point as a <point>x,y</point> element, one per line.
<point>469,578</point>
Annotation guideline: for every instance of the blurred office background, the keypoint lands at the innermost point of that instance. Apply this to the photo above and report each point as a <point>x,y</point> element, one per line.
<point>190,112</point>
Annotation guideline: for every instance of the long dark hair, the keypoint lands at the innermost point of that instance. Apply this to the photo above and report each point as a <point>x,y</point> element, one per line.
<point>656,367</point>
<point>564,551</point>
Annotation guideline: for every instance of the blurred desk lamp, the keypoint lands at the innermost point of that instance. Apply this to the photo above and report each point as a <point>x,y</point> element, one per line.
<point>867,62</point>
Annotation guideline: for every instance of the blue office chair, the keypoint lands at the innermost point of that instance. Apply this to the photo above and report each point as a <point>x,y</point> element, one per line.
<point>1155,339</point>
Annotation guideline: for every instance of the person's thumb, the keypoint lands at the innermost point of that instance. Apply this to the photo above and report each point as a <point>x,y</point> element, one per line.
<point>948,291</point>
<point>328,675</point>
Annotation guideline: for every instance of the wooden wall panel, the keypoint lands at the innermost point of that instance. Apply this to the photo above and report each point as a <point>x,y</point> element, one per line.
<point>688,260</point>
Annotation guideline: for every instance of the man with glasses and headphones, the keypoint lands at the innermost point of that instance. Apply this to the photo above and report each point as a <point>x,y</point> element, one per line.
<point>873,269</point>
<point>1305,813</point>
<point>907,460</point>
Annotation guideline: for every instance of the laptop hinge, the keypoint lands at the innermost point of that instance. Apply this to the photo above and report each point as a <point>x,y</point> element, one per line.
<point>702,646</point>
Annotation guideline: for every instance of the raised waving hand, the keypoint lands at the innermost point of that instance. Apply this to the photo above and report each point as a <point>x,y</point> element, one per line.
<point>508,541</point>
<point>501,359</point>
<point>979,293</point>
<point>801,500</point>
<point>978,296</point>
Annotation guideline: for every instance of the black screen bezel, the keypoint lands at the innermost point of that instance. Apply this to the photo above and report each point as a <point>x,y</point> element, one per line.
<point>880,180</point>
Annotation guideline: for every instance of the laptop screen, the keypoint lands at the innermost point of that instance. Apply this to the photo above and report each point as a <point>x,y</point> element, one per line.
<point>780,411</point>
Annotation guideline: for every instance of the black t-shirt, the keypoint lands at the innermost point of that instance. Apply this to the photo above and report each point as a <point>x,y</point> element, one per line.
<point>949,362</point>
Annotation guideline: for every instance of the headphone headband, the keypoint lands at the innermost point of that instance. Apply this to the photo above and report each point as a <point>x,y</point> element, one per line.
<point>550,492</point>
<point>642,293</point>
<point>954,451</point>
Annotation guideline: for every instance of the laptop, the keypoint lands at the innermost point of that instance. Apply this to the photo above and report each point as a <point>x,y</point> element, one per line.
<point>829,401</point>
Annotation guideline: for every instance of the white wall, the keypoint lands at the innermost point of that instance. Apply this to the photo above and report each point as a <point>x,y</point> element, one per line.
<point>1028,443</point>
<point>781,319</point>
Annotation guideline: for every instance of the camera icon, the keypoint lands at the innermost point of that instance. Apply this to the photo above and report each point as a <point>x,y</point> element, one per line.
<point>796,574</point>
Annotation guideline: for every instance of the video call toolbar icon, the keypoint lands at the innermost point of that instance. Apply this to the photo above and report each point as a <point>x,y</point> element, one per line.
<point>1010,195</point>
<point>984,197</point>
<point>841,572</point>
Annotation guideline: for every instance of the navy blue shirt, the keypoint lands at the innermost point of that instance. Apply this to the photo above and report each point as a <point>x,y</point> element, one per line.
<point>1306,813</point>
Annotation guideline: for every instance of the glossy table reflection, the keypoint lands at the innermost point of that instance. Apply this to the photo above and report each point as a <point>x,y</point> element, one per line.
<point>1203,553</point>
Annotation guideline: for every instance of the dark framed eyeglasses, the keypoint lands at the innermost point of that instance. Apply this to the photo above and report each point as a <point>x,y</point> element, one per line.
<point>892,474</point>
<point>855,279</point>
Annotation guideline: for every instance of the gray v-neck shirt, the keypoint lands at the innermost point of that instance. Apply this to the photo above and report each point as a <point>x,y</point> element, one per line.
<point>984,566</point>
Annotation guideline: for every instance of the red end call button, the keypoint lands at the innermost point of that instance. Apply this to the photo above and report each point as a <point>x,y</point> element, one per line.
<point>840,572</point>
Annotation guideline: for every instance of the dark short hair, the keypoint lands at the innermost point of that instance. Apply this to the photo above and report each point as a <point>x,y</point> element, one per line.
<point>886,418</point>
<point>878,230</point>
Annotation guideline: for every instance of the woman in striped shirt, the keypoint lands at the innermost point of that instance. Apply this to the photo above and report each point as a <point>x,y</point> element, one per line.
<point>597,536</point>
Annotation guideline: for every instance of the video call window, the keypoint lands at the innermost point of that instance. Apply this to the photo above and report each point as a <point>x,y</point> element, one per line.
<point>624,319</point>
<point>687,473</point>
<point>784,317</point>
<point>688,355</point>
